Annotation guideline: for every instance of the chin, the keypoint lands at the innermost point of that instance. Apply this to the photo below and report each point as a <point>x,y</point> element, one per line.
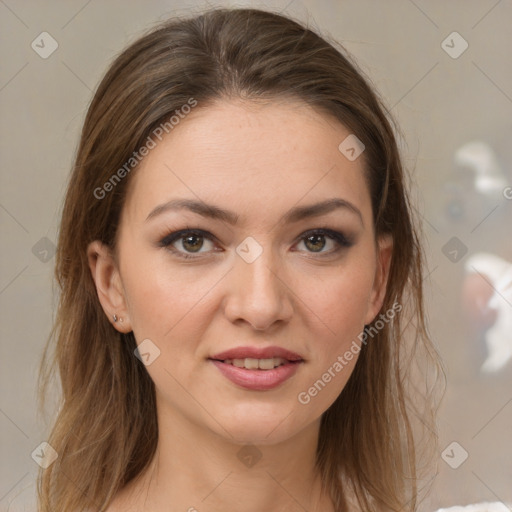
<point>259,426</point>
<point>250,435</point>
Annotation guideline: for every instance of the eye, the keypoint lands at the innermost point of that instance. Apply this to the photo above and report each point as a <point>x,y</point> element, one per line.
<point>189,240</point>
<point>316,240</point>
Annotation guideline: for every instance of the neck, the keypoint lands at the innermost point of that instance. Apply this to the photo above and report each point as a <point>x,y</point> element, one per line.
<point>194,469</point>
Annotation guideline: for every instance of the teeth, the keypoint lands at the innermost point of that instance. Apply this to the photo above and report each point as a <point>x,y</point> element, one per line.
<point>254,364</point>
<point>267,364</point>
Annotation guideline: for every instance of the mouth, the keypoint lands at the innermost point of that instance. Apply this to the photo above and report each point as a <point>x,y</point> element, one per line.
<point>255,368</point>
<point>250,354</point>
<point>250,363</point>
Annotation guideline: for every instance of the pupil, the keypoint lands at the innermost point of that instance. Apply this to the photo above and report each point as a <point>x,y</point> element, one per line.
<point>187,239</point>
<point>316,237</point>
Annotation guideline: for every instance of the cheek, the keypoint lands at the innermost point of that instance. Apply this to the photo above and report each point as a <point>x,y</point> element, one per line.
<point>342,302</point>
<point>336,340</point>
<point>154,296</point>
<point>169,304</point>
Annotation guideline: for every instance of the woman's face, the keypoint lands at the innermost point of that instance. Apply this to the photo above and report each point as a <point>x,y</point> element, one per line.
<point>251,275</point>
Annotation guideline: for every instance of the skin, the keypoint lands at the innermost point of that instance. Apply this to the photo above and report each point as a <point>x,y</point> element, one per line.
<point>258,160</point>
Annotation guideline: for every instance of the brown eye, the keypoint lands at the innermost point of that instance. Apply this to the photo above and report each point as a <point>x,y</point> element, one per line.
<point>187,242</point>
<point>192,243</point>
<point>315,242</point>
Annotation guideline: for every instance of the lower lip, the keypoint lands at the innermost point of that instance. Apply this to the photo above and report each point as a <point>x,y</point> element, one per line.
<point>257,380</point>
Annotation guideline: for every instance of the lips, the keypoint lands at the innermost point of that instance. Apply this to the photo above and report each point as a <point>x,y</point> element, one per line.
<point>257,369</point>
<point>257,353</point>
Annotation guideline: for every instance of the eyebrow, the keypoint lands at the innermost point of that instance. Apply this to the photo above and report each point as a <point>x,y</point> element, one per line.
<point>296,214</point>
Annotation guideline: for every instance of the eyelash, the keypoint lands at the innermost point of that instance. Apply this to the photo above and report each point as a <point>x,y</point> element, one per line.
<point>342,241</point>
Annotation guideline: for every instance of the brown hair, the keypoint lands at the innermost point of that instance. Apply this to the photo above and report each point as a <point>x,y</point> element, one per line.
<point>106,430</point>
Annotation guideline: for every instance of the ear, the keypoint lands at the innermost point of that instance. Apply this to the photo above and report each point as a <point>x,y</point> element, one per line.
<point>384,253</point>
<point>108,285</point>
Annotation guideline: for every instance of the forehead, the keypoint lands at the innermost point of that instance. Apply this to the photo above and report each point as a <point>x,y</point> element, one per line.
<point>255,158</point>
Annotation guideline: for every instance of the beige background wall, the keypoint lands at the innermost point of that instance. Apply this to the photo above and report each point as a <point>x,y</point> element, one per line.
<point>441,103</point>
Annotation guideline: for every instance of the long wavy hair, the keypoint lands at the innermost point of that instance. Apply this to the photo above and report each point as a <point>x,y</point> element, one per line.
<point>105,431</point>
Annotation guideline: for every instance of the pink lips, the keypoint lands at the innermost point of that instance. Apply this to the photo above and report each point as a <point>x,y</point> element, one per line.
<point>257,353</point>
<point>257,380</point>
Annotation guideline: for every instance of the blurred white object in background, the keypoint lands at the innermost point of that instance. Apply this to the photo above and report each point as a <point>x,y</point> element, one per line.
<point>498,338</point>
<point>480,157</point>
<point>479,507</point>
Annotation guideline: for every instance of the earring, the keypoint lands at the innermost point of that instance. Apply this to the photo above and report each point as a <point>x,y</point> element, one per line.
<point>115,318</point>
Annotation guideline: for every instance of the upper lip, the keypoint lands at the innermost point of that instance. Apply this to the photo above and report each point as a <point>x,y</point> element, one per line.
<point>257,353</point>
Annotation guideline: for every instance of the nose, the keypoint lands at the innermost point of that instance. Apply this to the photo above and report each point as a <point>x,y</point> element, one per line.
<point>258,292</point>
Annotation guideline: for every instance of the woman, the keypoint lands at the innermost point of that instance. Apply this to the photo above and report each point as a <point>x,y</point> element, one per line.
<point>238,266</point>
